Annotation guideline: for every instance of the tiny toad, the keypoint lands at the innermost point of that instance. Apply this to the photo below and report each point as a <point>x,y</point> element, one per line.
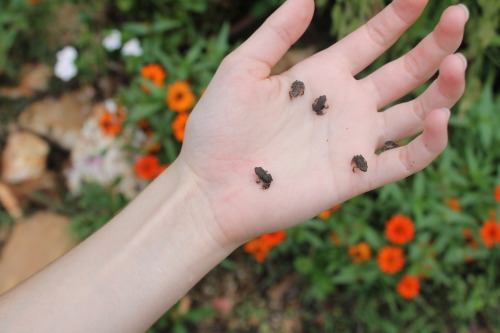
<point>389,145</point>
<point>297,89</point>
<point>319,105</point>
<point>265,177</point>
<point>360,163</point>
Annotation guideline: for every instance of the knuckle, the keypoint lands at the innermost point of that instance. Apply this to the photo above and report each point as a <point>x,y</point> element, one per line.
<point>282,33</point>
<point>407,161</point>
<point>412,67</point>
<point>419,109</point>
<point>377,34</point>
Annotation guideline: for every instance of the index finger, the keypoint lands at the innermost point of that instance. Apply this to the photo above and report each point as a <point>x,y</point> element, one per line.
<point>360,48</point>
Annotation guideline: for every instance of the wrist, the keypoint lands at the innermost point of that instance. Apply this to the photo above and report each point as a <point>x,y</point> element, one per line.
<point>185,211</point>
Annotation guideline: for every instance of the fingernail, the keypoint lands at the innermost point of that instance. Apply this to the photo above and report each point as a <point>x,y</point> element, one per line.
<point>447,111</point>
<point>466,9</point>
<point>464,59</point>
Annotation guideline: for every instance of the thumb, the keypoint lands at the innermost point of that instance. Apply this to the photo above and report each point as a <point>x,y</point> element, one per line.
<point>269,43</point>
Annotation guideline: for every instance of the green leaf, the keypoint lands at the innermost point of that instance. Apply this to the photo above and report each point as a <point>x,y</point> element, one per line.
<point>163,25</point>
<point>375,239</point>
<point>124,5</point>
<point>303,265</point>
<point>311,238</point>
<point>485,118</point>
<point>222,39</point>
<point>197,315</point>
<point>194,52</point>
<point>454,256</point>
<point>419,185</point>
<point>179,327</point>
<point>144,110</point>
<point>171,149</point>
<point>229,264</point>
<point>347,275</point>
<point>137,29</point>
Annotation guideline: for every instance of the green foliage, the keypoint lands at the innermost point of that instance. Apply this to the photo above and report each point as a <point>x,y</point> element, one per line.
<point>15,29</point>
<point>92,208</point>
<point>5,219</point>
<point>348,15</point>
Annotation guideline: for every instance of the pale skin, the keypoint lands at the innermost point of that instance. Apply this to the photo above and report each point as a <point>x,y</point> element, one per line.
<point>207,203</point>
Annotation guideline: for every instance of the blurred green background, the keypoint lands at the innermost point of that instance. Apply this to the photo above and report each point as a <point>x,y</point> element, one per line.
<point>310,282</point>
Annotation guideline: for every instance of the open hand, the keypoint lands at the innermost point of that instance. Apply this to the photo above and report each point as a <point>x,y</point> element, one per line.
<point>246,118</point>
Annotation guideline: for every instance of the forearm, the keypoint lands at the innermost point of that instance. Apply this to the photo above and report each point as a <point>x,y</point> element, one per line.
<point>126,275</point>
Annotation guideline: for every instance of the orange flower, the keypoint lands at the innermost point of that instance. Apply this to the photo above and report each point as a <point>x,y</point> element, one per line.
<point>497,193</point>
<point>399,229</point>
<point>454,204</point>
<point>408,287</point>
<point>179,125</point>
<point>34,2</point>
<point>259,247</point>
<point>490,233</point>
<point>147,167</point>
<point>154,73</point>
<point>360,252</point>
<point>179,96</point>
<point>390,259</point>
<point>111,123</point>
<point>274,238</point>
<point>326,214</point>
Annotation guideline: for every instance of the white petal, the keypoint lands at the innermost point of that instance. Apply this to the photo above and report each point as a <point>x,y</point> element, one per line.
<point>68,53</point>
<point>65,70</point>
<point>113,41</point>
<point>132,48</point>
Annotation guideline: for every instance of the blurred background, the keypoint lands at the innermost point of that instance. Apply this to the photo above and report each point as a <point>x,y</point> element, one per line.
<point>94,97</point>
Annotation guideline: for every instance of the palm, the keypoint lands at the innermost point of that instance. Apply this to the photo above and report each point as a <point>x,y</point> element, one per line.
<point>254,123</point>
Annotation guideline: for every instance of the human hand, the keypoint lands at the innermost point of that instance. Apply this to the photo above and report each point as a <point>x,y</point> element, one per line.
<point>246,118</point>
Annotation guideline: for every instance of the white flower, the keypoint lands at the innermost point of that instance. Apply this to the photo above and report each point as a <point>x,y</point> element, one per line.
<point>65,70</point>
<point>68,54</point>
<point>113,41</point>
<point>132,48</point>
<point>102,159</point>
